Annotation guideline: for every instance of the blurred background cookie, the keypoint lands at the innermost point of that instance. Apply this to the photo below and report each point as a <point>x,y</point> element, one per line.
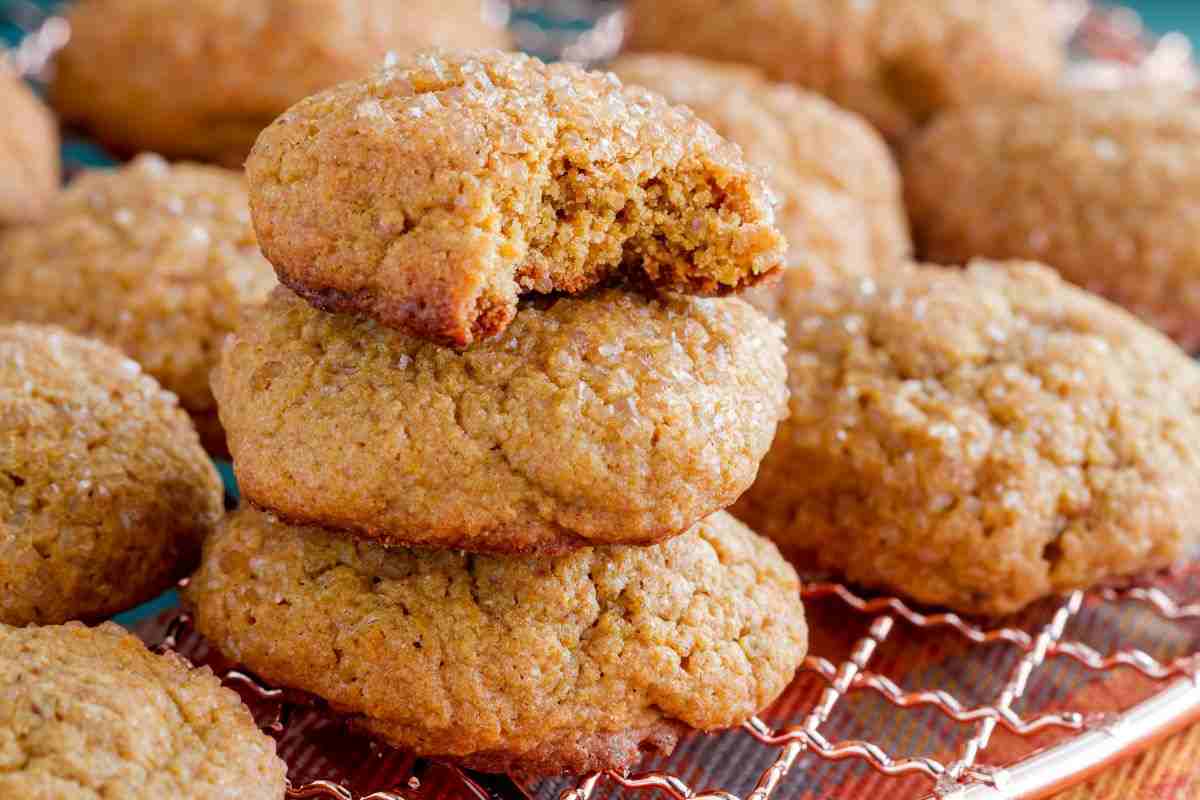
<point>525,665</point>
<point>1102,186</point>
<point>840,204</point>
<point>105,492</point>
<point>29,160</point>
<point>92,713</point>
<point>156,260</point>
<point>200,79</point>
<point>603,418</point>
<point>979,439</point>
<point>897,62</point>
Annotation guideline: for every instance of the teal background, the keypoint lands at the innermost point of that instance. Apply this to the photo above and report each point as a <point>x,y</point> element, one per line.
<point>1170,15</point>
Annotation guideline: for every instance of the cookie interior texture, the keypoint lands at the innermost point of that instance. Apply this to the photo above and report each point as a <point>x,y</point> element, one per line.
<point>91,713</point>
<point>526,664</point>
<point>105,492</point>
<point>29,159</point>
<point>604,418</point>
<point>432,194</point>
<point>897,62</point>
<point>1102,186</point>
<point>979,440</point>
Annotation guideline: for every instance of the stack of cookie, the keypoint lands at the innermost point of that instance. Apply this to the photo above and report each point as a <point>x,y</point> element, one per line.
<point>457,364</point>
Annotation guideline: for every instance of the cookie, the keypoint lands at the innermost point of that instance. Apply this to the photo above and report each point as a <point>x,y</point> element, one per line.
<point>980,439</point>
<point>156,260</point>
<point>839,190</point>
<point>105,492</point>
<point>240,64</point>
<point>29,165</point>
<point>516,664</point>
<point>896,62</point>
<point>91,713</point>
<point>608,418</point>
<point>432,194</point>
<point>1101,186</point>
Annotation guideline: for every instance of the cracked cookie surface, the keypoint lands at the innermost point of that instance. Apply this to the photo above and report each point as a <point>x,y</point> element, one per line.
<point>432,194</point>
<point>979,439</point>
<point>29,160</point>
<point>91,714</point>
<point>537,665</point>
<point>243,62</point>
<point>605,418</point>
<point>105,492</point>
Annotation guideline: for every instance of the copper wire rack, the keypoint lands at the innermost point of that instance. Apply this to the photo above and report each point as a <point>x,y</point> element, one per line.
<point>893,701</point>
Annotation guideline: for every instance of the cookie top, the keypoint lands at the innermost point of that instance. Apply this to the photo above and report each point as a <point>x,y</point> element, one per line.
<point>243,62</point>
<point>897,62</point>
<point>157,260</point>
<point>1103,186</point>
<point>509,660</point>
<point>597,419</point>
<point>105,492</point>
<point>840,206</point>
<point>432,194</point>
<point>90,713</point>
<point>29,164</point>
<point>980,439</point>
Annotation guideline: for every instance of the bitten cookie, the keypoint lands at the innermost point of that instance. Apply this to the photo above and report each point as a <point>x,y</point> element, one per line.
<point>432,194</point>
<point>105,492</point>
<point>91,713</point>
<point>609,418</point>
<point>510,664</point>
<point>980,439</point>
<point>156,260</point>
<point>840,207</point>
<point>29,165</point>
<point>1104,187</point>
<point>897,62</point>
<point>200,79</point>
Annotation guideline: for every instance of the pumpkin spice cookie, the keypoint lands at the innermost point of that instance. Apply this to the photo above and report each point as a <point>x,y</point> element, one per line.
<point>840,207</point>
<point>608,418</point>
<point>156,260</point>
<point>896,62</point>
<point>29,163</point>
<point>91,713</point>
<point>200,79</point>
<point>105,492</point>
<point>510,664</point>
<point>980,439</point>
<point>431,195</point>
<point>1102,186</point>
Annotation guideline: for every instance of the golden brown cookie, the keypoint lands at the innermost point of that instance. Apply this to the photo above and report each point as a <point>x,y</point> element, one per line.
<point>840,204</point>
<point>1104,187</point>
<point>105,492</point>
<point>29,164</point>
<point>432,194</point>
<point>608,418</point>
<point>510,663</point>
<point>980,439</point>
<point>156,260</point>
<point>200,79</point>
<point>897,62</point>
<point>91,713</point>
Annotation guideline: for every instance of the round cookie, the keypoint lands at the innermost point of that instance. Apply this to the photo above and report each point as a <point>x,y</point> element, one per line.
<point>105,492</point>
<point>156,260</point>
<point>979,439</point>
<point>609,418</point>
<point>432,194</point>
<point>29,165</point>
<point>840,206</point>
<point>1102,186</point>
<point>510,663</point>
<point>242,63</point>
<point>91,713</point>
<point>896,62</point>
